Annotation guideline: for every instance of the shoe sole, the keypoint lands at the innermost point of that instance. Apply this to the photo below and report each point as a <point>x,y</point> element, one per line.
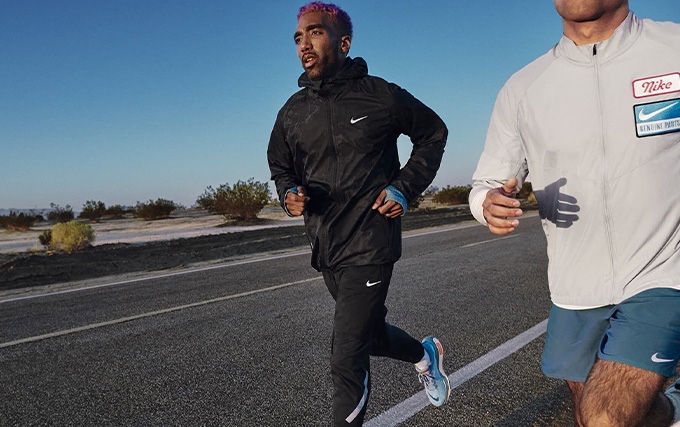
<point>440,367</point>
<point>440,350</point>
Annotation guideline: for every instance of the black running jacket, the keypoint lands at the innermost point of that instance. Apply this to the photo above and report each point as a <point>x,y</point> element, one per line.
<point>337,137</point>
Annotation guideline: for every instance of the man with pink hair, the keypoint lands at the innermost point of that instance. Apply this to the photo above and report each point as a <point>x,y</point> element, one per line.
<point>333,156</point>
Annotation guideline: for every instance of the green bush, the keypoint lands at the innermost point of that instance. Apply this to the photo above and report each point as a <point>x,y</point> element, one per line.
<point>60,214</point>
<point>45,238</point>
<point>532,198</point>
<point>526,191</point>
<point>116,211</point>
<point>17,221</point>
<point>415,203</point>
<point>452,195</point>
<point>93,210</point>
<point>242,201</point>
<point>71,236</point>
<point>151,210</point>
<point>431,191</point>
<point>207,200</point>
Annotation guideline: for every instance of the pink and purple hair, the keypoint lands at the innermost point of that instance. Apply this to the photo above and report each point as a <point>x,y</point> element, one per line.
<point>339,17</point>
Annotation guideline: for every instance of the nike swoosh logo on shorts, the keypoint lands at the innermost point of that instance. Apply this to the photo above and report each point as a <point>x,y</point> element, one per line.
<point>369,283</point>
<point>642,116</point>
<point>657,359</point>
<point>353,120</point>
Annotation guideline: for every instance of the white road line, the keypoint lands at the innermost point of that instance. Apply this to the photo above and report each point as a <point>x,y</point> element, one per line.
<point>181,307</point>
<point>234,263</point>
<point>483,242</point>
<point>416,403</point>
<point>151,313</point>
<point>440,230</point>
<point>201,269</point>
<point>391,417</point>
<point>160,276</point>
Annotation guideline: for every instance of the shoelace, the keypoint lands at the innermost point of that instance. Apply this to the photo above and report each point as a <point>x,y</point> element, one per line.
<point>426,379</point>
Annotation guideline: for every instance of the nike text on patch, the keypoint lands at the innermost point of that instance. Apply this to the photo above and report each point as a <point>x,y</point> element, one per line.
<point>657,118</point>
<point>658,85</point>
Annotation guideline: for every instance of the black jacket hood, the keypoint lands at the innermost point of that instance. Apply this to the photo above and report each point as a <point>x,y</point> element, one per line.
<point>354,68</point>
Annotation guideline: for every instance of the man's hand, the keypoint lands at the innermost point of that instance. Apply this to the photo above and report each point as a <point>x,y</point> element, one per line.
<point>390,209</point>
<point>296,203</point>
<point>501,209</point>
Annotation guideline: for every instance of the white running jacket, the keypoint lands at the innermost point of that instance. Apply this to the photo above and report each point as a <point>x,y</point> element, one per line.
<point>598,128</point>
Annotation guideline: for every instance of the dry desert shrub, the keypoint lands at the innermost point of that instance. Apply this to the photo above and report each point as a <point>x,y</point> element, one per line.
<point>71,236</point>
<point>241,201</point>
<point>161,208</point>
<point>17,221</point>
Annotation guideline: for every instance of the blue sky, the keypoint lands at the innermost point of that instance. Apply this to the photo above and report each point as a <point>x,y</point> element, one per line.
<point>130,100</point>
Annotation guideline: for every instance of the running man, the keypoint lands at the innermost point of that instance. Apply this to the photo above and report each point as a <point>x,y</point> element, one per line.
<point>333,157</point>
<point>596,121</point>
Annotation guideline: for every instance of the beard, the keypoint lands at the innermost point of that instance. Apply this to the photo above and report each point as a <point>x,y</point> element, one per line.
<point>322,66</point>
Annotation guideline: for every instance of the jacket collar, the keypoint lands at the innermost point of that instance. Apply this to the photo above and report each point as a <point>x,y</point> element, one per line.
<point>622,38</point>
<point>354,68</point>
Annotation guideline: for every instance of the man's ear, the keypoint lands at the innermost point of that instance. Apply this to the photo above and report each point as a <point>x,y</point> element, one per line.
<point>345,44</point>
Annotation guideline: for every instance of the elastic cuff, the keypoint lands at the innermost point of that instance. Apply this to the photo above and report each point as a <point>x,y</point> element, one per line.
<point>476,207</point>
<point>394,194</point>
<point>285,208</point>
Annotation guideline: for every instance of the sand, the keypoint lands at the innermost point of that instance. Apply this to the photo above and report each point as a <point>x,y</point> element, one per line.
<point>182,224</point>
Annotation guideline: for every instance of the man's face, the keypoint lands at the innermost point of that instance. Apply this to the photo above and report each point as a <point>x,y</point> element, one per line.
<point>320,49</point>
<point>587,10</point>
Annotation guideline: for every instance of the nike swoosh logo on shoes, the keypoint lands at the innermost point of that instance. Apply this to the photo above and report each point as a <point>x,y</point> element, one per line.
<point>435,398</point>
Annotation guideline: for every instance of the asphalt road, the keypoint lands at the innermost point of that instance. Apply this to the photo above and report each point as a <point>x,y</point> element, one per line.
<point>246,343</point>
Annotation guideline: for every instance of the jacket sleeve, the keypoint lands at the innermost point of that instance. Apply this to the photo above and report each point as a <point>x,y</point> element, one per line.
<point>428,134</point>
<point>280,158</point>
<point>503,156</point>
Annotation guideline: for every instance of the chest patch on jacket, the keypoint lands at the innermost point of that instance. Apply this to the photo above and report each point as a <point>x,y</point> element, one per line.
<point>656,118</point>
<point>658,85</point>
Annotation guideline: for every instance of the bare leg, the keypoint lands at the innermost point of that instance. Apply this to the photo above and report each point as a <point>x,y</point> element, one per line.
<point>620,395</point>
<point>576,395</point>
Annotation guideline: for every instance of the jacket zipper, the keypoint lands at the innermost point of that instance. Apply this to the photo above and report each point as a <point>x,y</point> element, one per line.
<point>605,183</point>
<point>323,260</point>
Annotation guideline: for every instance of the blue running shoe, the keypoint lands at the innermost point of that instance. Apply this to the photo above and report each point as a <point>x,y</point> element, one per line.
<point>673,394</point>
<point>437,386</point>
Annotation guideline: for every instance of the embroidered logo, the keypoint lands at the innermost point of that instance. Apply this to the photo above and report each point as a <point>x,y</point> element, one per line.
<point>353,120</point>
<point>657,359</point>
<point>657,118</point>
<point>658,85</point>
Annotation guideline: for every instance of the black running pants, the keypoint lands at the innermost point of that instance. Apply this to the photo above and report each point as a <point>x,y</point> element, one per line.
<point>360,331</point>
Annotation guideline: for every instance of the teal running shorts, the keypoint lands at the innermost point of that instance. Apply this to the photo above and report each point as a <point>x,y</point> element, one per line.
<point>642,331</point>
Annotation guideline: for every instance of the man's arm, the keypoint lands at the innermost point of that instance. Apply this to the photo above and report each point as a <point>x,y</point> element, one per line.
<point>282,168</point>
<point>428,134</point>
<point>500,171</point>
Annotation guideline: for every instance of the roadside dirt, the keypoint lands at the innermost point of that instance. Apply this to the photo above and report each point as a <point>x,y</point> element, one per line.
<point>37,269</point>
